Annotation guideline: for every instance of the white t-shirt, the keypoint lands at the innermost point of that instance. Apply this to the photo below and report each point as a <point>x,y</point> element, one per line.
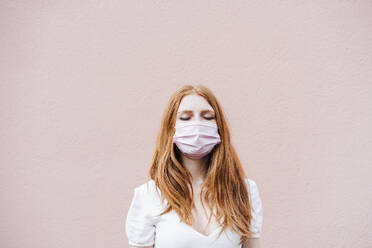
<point>144,228</point>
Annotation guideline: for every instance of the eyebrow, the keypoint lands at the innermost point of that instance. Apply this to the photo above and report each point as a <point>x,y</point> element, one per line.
<point>190,111</point>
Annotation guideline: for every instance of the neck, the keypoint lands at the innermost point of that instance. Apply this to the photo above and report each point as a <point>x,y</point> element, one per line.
<point>196,167</point>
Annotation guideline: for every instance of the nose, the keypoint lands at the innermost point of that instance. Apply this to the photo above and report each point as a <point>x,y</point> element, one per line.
<point>197,117</point>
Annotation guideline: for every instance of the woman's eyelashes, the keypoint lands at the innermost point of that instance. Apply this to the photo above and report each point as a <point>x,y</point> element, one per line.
<point>188,118</point>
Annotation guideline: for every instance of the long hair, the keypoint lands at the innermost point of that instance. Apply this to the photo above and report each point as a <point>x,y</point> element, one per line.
<point>224,186</point>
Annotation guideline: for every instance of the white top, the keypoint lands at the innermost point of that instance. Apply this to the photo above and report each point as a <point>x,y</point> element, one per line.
<point>143,228</point>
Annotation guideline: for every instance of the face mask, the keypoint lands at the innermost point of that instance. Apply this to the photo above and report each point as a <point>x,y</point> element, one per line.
<point>196,139</point>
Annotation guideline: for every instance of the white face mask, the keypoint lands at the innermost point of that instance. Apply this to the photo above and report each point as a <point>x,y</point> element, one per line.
<point>195,139</point>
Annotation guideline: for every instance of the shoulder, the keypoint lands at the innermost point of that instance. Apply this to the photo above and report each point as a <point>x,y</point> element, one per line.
<point>141,217</point>
<point>253,190</point>
<point>148,191</point>
<point>250,183</point>
<point>146,187</point>
<point>256,207</point>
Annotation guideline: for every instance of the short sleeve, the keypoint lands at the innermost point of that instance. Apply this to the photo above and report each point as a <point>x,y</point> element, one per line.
<point>139,224</point>
<point>257,210</point>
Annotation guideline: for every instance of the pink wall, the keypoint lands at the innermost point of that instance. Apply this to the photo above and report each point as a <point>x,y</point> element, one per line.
<point>83,86</point>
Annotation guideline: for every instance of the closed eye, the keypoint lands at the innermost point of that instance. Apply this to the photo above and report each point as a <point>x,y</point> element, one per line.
<point>188,118</point>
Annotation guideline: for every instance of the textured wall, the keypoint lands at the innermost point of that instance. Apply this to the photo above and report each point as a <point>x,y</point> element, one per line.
<point>83,85</point>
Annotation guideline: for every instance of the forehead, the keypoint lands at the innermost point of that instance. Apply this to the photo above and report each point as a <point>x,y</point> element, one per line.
<point>195,103</point>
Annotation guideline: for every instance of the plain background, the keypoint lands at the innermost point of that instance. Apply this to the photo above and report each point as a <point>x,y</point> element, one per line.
<point>83,86</point>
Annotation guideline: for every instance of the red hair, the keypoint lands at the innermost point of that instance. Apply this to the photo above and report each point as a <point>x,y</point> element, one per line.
<point>224,186</point>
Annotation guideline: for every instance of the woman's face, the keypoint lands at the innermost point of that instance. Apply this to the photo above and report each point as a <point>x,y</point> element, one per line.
<point>194,108</point>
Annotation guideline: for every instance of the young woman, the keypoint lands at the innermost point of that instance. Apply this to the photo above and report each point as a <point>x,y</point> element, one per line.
<point>197,194</point>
